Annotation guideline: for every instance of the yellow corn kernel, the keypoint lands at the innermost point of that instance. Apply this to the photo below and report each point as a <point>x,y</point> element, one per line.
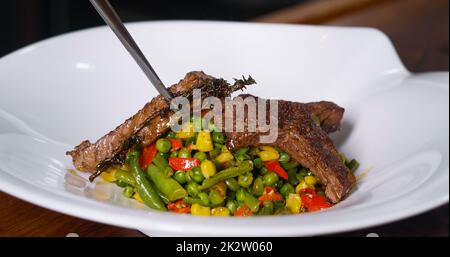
<point>187,131</point>
<point>208,168</point>
<point>268,155</point>
<point>293,203</point>
<point>224,157</point>
<point>310,180</point>
<point>268,148</point>
<point>204,141</point>
<point>138,198</point>
<point>109,175</point>
<point>220,211</point>
<point>303,185</point>
<point>198,210</point>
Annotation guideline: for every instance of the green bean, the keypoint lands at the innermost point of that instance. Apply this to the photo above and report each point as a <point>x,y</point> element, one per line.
<point>278,184</point>
<point>128,191</point>
<point>201,156</point>
<point>168,186</point>
<point>263,171</point>
<point>218,146</point>
<point>163,145</point>
<point>232,184</point>
<point>251,202</point>
<point>126,177</point>
<point>231,205</point>
<point>218,137</point>
<point>258,163</point>
<point>258,187</point>
<point>241,151</point>
<point>202,199</point>
<point>245,180</point>
<point>270,178</point>
<point>192,189</point>
<point>227,173</point>
<point>286,189</point>
<point>320,192</point>
<point>161,195</point>
<point>184,153</point>
<point>168,171</point>
<point>160,162</point>
<point>143,187</point>
<point>196,174</point>
<point>180,176</point>
<point>284,158</point>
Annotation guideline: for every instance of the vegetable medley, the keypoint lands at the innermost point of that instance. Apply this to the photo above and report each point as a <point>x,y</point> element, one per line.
<point>194,172</point>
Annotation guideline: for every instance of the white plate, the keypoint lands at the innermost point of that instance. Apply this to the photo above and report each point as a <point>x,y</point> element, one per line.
<point>55,93</point>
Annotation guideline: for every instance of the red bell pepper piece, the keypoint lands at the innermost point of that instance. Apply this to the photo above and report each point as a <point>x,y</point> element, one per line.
<point>275,166</point>
<point>312,201</point>
<point>179,207</point>
<point>176,144</point>
<point>147,155</point>
<point>270,195</point>
<point>178,163</point>
<point>243,211</point>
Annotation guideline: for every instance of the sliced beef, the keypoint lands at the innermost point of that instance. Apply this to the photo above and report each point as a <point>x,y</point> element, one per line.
<point>148,124</point>
<point>306,142</point>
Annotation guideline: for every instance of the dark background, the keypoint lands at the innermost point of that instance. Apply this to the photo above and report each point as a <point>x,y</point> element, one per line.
<point>26,21</point>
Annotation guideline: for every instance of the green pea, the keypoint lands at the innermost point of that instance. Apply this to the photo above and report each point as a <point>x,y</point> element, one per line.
<point>322,193</point>
<point>258,163</point>
<point>232,184</point>
<point>192,189</point>
<point>218,137</point>
<point>289,165</point>
<point>196,174</point>
<point>201,156</point>
<point>284,158</point>
<point>231,195</point>
<point>267,208</point>
<point>215,197</point>
<point>174,154</point>
<point>128,191</point>
<point>258,187</point>
<point>171,135</point>
<point>278,184</point>
<point>292,177</point>
<point>270,178</point>
<point>263,171</point>
<point>190,141</point>
<point>301,174</point>
<point>218,146</point>
<point>120,183</point>
<point>163,145</point>
<point>353,165</point>
<point>214,153</point>
<point>287,189</point>
<point>184,153</point>
<point>245,180</point>
<point>231,205</point>
<point>180,176</point>
<point>240,195</point>
<point>204,199</point>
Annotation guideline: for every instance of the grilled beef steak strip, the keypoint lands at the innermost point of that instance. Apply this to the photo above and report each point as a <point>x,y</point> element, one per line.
<point>306,142</point>
<point>148,124</point>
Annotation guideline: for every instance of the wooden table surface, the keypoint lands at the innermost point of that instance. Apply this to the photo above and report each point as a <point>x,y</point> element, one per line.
<point>418,29</point>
